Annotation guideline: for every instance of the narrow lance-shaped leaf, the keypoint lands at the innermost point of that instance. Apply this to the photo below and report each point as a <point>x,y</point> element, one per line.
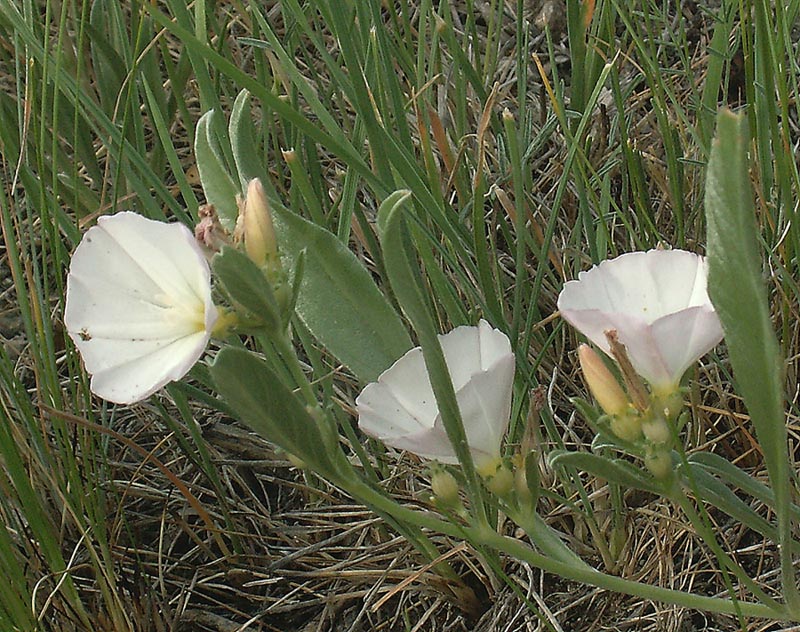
<point>404,283</point>
<point>269,407</point>
<point>613,470</point>
<point>717,493</point>
<point>220,188</point>
<point>737,289</point>
<point>732,475</point>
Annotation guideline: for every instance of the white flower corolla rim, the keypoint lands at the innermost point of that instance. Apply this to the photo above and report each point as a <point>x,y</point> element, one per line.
<point>138,305</point>
<point>400,408</point>
<point>657,301</point>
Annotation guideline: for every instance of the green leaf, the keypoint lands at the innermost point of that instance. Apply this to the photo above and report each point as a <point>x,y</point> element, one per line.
<point>338,300</point>
<point>717,494</point>
<point>736,287</point>
<point>404,278</point>
<point>737,290</point>
<point>242,134</point>
<point>732,475</point>
<point>247,286</point>
<point>269,407</point>
<point>220,188</point>
<point>612,470</point>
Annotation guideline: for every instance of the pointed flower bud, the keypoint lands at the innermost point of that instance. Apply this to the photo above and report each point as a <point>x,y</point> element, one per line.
<point>657,431</point>
<point>255,227</point>
<point>603,385</point>
<point>501,481</point>
<point>659,462</point>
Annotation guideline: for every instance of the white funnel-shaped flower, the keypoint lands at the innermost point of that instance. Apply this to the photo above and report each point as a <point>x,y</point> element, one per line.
<point>138,305</point>
<point>400,408</point>
<point>658,304</point>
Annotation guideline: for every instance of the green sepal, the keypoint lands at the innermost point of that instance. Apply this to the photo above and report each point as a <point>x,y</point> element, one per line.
<point>587,411</point>
<point>606,439</point>
<point>247,287</point>
<point>532,480</point>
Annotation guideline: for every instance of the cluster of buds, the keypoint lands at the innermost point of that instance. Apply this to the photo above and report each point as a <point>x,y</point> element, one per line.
<point>506,479</point>
<point>651,313</point>
<point>641,418</point>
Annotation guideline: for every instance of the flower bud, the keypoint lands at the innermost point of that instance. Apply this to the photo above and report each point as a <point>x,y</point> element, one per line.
<point>659,462</point>
<point>671,405</point>
<point>255,226</point>
<point>627,426</point>
<point>657,431</point>
<point>501,482</point>
<point>445,488</point>
<point>602,384</point>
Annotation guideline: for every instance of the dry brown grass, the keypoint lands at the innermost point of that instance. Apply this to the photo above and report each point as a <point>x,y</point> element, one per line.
<point>298,555</point>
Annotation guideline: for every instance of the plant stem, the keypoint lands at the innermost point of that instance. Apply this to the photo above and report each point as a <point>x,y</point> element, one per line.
<point>486,537</point>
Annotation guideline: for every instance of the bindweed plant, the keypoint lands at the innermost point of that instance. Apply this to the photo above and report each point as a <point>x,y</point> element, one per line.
<point>143,302</point>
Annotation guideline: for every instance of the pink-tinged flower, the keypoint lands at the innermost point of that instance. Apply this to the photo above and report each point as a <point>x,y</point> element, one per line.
<point>400,408</point>
<point>658,304</point>
<point>138,305</point>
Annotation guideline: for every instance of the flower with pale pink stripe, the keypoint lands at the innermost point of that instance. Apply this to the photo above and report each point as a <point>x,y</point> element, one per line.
<point>658,304</point>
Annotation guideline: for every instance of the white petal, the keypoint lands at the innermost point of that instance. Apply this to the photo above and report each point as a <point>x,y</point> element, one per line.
<point>654,301</point>
<point>380,415</point>
<point>136,378</point>
<point>495,345</point>
<point>407,380</point>
<point>698,329</point>
<point>462,353</point>
<point>400,409</point>
<point>167,253</point>
<point>469,349</point>
<point>383,416</point>
<point>104,311</point>
<point>138,304</point>
<point>485,405</point>
<point>645,284</point>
